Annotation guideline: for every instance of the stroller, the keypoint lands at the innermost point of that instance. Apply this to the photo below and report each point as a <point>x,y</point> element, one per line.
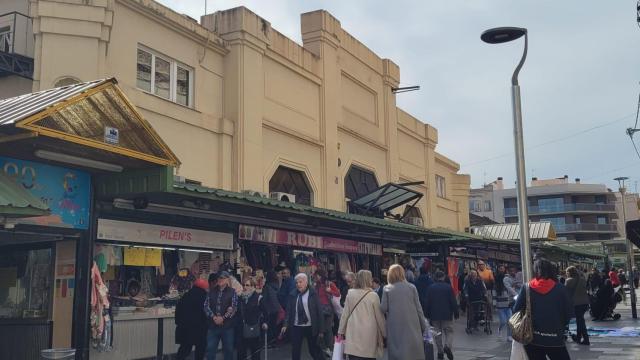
<point>478,313</point>
<point>604,311</point>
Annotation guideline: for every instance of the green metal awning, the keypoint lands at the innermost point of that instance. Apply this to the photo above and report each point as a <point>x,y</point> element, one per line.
<point>16,201</point>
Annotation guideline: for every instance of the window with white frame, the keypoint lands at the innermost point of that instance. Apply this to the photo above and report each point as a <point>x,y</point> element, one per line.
<point>441,187</point>
<point>164,77</point>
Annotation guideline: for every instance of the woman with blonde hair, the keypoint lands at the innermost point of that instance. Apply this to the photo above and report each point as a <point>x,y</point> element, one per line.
<point>362,323</point>
<point>405,319</point>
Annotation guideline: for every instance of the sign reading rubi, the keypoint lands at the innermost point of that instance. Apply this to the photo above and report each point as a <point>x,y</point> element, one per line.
<point>162,235</point>
<point>289,238</point>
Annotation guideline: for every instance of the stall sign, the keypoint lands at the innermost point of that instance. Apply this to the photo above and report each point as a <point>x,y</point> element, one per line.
<point>162,235</point>
<point>369,249</point>
<point>424,254</point>
<point>67,192</point>
<point>289,238</point>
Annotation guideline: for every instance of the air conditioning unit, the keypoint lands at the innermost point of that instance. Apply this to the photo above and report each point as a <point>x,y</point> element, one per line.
<point>255,193</point>
<point>283,197</point>
<point>415,221</point>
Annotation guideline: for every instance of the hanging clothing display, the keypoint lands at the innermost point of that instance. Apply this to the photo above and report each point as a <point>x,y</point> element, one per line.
<point>99,310</point>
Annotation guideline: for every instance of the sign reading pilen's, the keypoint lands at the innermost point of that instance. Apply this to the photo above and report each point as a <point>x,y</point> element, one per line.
<point>290,238</point>
<point>125,231</point>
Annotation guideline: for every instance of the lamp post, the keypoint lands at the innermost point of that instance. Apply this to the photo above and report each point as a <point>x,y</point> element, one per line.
<point>630,254</point>
<point>498,36</point>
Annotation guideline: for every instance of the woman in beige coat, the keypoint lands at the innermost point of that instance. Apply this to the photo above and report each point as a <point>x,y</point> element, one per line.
<point>362,323</point>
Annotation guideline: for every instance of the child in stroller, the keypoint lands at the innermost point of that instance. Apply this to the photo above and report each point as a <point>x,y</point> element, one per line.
<point>604,302</point>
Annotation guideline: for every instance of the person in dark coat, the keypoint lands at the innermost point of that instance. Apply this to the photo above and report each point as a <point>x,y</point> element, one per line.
<point>191,322</point>
<point>271,303</point>
<point>422,284</point>
<point>286,287</point>
<point>475,293</point>
<point>604,297</point>
<point>377,287</point>
<point>577,287</point>
<point>252,314</point>
<point>304,319</point>
<point>221,307</point>
<point>441,308</point>
<point>551,310</point>
<point>594,281</point>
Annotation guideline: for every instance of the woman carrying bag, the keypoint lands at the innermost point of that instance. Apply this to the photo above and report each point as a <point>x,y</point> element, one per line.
<point>362,325</point>
<point>405,319</point>
<point>253,318</point>
<point>548,316</point>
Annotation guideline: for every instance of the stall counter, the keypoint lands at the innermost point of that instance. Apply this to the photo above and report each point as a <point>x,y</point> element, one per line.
<point>136,335</point>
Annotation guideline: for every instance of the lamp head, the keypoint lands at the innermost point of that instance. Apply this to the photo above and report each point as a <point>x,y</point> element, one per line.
<point>502,34</point>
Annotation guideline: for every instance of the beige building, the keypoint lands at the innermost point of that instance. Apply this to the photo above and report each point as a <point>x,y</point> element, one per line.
<point>236,100</point>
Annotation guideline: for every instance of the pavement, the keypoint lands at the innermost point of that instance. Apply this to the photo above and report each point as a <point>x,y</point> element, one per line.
<point>480,346</point>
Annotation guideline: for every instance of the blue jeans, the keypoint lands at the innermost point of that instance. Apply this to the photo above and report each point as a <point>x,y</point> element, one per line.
<point>214,335</point>
<point>504,315</point>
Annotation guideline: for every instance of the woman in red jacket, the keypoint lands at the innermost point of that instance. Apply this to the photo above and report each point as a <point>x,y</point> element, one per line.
<point>326,290</point>
<point>613,276</point>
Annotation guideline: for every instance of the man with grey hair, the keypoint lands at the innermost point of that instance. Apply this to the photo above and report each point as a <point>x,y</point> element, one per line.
<point>442,308</point>
<point>304,319</point>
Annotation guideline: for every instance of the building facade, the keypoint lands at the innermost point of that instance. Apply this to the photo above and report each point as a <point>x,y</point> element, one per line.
<point>246,108</point>
<point>577,211</point>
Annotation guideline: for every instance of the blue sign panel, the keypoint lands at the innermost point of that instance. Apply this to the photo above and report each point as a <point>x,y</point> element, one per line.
<point>67,192</point>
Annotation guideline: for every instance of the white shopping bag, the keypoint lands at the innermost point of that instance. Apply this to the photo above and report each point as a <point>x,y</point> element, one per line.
<point>517,351</point>
<point>338,349</point>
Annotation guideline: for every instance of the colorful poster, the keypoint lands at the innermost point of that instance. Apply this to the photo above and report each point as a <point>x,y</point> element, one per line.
<point>134,256</point>
<point>67,192</point>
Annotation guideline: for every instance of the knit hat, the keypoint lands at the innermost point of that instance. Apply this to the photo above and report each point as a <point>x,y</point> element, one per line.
<point>202,284</point>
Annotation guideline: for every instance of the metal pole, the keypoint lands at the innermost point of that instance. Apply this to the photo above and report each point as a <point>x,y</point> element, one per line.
<point>630,259</point>
<point>523,211</point>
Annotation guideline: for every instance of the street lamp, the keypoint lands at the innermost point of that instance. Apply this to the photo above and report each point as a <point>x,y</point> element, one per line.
<point>499,36</point>
<point>630,254</point>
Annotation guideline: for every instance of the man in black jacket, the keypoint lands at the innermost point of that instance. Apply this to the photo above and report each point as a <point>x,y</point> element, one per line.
<point>441,309</point>
<point>191,322</point>
<point>304,319</point>
<point>422,285</point>
<point>221,307</point>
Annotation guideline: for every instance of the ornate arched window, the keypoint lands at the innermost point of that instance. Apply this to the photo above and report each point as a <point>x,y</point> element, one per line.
<point>357,183</point>
<point>290,181</point>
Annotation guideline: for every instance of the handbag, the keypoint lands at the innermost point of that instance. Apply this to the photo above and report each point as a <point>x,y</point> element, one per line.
<point>250,331</point>
<point>520,323</point>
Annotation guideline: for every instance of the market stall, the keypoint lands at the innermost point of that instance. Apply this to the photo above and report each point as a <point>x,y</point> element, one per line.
<point>145,269</point>
<point>263,249</point>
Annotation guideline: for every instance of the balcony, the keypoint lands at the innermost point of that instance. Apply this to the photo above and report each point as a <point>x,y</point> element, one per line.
<point>16,45</point>
<point>577,228</point>
<point>564,208</point>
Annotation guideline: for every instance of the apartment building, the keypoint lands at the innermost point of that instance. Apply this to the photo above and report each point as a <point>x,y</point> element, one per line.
<point>577,211</point>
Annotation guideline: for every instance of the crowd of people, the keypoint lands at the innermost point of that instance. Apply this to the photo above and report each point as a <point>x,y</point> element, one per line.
<point>367,316</point>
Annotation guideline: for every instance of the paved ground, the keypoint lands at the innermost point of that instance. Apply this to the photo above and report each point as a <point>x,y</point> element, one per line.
<point>480,346</point>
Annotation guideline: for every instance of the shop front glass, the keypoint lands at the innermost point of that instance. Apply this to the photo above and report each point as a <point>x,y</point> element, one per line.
<point>25,283</point>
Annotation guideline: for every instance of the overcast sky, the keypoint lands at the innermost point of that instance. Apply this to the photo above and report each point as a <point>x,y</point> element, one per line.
<point>580,82</point>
